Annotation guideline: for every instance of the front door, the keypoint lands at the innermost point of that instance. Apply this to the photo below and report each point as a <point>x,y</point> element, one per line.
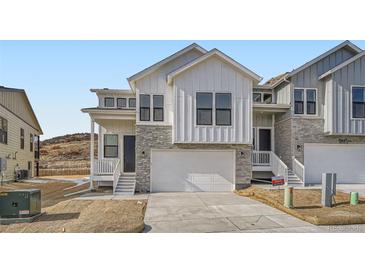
<point>129,153</point>
<point>264,139</point>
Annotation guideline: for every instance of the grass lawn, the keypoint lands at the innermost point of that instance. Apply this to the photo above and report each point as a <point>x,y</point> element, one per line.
<point>67,214</point>
<point>307,205</point>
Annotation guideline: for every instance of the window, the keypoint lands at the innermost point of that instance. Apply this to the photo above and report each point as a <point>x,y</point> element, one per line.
<point>31,142</point>
<point>311,101</point>
<point>121,102</point>
<point>132,102</point>
<point>223,105</point>
<point>204,105</point>
<point>305,101</point>
<point>358,102</point>
<point>256,97</point>
<point>267,98</point>
<point>157,107</point>
<point>3,131</point>
<point>110,146</point>
<point>109,102</point>
<point>22,138</point>
<point>144,107</point>
<point>299,101</point>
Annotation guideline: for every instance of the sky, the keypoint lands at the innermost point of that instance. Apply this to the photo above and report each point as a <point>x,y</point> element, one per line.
<point>58,75</point>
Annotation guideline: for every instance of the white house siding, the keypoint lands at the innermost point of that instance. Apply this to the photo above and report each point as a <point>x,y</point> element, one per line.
<point>328,106</point>
<point>23,156</point>
<point>155,83</point>
<point>212,75</point>
<point>342,80</point>
<point>262,119</point>
<point>283,94</point>
<point>119,127</point>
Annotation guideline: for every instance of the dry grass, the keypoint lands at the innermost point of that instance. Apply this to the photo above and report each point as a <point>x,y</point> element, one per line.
<point>65,214</point>
<point>307,205</point>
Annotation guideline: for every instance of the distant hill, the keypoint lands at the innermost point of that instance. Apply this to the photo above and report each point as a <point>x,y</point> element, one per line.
<point>66,155</point>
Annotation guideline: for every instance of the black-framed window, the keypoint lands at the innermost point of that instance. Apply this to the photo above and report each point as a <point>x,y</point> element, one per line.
<point>121,102</point>
<point>31,142</point>
<point>267,98</point>
<point>311,95</point>
<point>158,103</point>
<point>223,107</point>
<point>110,145</point>
<point>3,131</point>
<point>144,107</point>
<point>109,102</point>
<point>204,108</point>
<point>358,102</point>
<point>22,138</point>
<point>132,102</point>
<point>299,101</point>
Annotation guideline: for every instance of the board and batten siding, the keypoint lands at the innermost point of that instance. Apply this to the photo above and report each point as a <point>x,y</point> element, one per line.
<point>308,77</point>
<point>341,100</point>
<point>283,94</point>
<point>155,83</point>
<point>216,76</point>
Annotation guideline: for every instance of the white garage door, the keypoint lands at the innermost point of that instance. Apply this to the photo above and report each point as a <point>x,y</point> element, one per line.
<point>348,161</point>
<point>192,170</point>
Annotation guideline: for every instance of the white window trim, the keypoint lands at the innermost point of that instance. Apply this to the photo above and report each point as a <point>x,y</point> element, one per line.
<point>213,109</point>
<point>262,97</point>
<point>151,121</point>
<point>305,103</point>
<point>351,112</point>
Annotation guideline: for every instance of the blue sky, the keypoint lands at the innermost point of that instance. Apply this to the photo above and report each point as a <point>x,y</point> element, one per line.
<point>57,75</point>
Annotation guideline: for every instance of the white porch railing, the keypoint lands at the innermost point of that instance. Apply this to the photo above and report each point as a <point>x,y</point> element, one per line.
<point>105,166</point>
<point>298,169</point>
<point>278,167</point>
<point>261,158</point>
<point>116,175</point>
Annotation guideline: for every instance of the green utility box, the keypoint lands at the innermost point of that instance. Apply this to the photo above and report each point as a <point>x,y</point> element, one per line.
<point>20,203</point>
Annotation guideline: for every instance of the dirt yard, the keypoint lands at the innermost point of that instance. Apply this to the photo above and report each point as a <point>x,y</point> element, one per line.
<point>307,205</point>
<point>66,214</point>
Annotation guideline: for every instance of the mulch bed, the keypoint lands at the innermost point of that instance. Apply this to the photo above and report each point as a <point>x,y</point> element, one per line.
<point>307,205</point>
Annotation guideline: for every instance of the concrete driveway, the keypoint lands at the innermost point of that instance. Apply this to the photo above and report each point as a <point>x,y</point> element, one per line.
<point>217,212</point>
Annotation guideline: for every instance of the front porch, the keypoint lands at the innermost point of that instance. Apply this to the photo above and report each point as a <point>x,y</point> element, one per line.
<point>115,163</point>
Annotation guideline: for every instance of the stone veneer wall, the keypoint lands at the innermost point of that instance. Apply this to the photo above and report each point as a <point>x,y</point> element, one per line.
<point>291,134</point>
<point>160,137</point>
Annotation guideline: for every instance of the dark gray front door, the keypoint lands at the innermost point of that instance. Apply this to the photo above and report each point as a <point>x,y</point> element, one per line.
<point>264,139</point>
<point>129,153</point>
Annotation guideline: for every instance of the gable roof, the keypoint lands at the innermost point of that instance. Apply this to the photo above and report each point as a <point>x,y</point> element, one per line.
<point>340,66</point>
<point>276,80</point>
<point>347,43</point>
<point>32,114</point>
<point>164,61</point>
<point>204,57</point>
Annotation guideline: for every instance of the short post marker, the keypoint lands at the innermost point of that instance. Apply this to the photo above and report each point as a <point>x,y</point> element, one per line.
<point>288,197</point>
<point>354,198</point>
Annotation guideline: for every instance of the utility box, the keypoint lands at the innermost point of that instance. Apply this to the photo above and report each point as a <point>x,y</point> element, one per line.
<point>20,203</point>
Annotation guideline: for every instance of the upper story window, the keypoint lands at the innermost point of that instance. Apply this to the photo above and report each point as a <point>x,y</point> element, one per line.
<point>121,102</point>
<point>223,106</point>
<point>110,145</point>
<point>31,142</point>
<point>109,102</point>
<point>3,131</point>
<point>132,102</point>
<point>358,102</point>
<point>264,97</point>
<point>144,107</point>
<point>158,103</point>
<point>22,138</point>
<point>305,101</point>
<point>204,106</point>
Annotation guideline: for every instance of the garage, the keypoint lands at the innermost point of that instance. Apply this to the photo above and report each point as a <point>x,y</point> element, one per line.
<point>192,170</point>
<point>347,160</point>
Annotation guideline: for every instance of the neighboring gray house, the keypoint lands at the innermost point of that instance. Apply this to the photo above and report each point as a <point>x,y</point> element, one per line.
<point>200,121</point>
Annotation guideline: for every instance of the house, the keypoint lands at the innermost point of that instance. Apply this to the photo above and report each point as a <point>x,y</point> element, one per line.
<point>200,121</point>
<point>19,135</point>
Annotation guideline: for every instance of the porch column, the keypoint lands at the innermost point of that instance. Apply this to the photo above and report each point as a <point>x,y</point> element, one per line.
<point>92,129</point>
<point>273,132</point>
